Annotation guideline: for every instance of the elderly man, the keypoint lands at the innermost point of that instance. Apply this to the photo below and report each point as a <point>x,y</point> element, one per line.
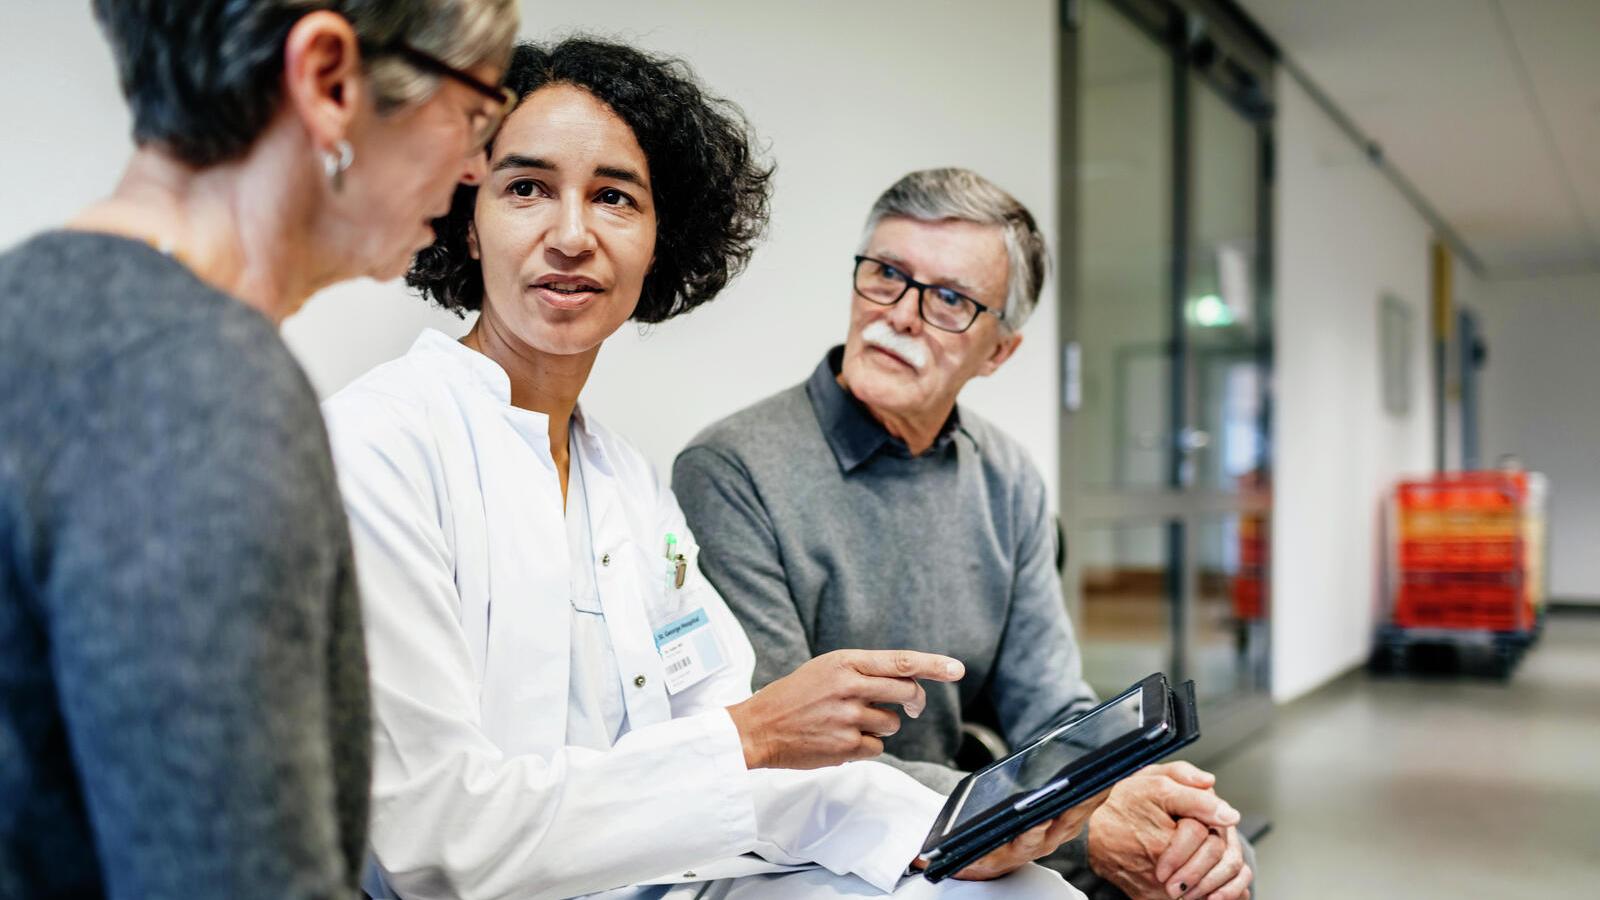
<point>864,508</point>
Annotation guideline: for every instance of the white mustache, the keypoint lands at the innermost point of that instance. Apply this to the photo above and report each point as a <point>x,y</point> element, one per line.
<point>913,351</point>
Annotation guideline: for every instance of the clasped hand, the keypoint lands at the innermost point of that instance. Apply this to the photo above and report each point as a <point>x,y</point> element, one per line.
<point>1164,834</point>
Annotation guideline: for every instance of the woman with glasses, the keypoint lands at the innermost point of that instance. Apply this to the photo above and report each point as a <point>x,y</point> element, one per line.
<point>562,701</point>
<point>183,698</point>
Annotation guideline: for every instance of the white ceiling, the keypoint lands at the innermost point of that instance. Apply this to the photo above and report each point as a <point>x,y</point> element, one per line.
<point>1490,107</point>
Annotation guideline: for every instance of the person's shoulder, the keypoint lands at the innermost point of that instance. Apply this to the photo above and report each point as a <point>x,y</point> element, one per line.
<point>396,388</point>
<point>1003,457</point>
<point>105,315</point>
<point>385,410</point>
<point>51,255</point>
<point>102,294</point>
<point>769,424</point>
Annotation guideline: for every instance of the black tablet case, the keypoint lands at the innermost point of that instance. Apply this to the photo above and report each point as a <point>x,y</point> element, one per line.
<point>973,845</point>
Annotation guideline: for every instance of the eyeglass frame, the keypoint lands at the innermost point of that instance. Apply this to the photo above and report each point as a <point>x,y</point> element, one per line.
<point>429,63</point>
<point>922,289</point>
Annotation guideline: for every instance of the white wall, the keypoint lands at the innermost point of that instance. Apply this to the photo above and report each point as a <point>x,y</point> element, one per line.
<point>1344,238</point>
<point>67,130</point>
<point>845,110</point>
<point>849,96</point>
<point>1540,401</point>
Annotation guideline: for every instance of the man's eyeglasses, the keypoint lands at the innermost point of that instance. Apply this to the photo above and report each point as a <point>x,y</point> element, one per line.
<point>484,124</point>
<point>884,283</point>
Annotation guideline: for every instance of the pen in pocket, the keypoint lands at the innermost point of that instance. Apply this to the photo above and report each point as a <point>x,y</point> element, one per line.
<point>680,565</point>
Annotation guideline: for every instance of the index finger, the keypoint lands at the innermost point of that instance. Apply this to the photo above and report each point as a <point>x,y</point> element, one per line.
<point>905,664</point>
<point>1184,772</point>
<point>1181,801</point>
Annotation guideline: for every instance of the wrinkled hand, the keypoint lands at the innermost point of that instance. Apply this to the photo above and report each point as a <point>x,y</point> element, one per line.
<point>825,713</point>
<point>1134,836</point>
<point>1215,868</point>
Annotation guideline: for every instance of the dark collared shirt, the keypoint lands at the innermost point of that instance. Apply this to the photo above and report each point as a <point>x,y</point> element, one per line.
<point>822,531</point>
<point>850,430</point>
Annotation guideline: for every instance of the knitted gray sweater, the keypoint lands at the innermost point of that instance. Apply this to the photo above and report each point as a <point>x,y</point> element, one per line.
<point>183,701</point>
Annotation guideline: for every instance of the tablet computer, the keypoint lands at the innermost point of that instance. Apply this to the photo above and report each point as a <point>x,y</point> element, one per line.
<point>1063,768</point>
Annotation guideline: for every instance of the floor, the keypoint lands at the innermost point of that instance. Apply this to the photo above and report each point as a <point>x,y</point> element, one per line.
<point>1422,787</point>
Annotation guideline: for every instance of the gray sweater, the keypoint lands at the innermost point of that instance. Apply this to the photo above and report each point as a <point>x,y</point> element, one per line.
<point>822,533</point>
<point>183,701</point>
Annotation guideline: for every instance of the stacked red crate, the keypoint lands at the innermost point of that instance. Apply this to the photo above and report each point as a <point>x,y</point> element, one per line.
<point>1461,556</point>
<point>1249,601</point>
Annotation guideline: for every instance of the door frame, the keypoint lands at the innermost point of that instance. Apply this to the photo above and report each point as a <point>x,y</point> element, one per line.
<point>1212,45</point>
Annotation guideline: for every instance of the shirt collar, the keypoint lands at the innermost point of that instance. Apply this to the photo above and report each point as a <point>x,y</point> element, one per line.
<point>468,365</point>
<point>471,367</point>
<point>850,430</point>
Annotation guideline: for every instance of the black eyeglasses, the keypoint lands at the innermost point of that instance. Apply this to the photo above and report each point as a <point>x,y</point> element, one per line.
<point>884,283</point>
<point>484,123</point>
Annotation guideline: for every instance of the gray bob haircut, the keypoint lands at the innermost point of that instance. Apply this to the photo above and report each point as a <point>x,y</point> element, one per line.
<point>204,77</point>
<point>934,195</point>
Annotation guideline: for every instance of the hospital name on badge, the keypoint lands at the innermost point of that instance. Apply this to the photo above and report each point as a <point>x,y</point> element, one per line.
<point>689,650</point>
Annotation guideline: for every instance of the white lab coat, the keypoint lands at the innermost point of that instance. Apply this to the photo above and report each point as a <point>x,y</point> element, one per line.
<point>461,550</point>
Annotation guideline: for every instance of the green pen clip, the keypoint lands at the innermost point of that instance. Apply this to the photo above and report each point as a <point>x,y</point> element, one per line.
<point>680,565</point>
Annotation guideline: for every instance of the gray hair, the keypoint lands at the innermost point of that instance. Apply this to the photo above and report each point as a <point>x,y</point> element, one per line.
<point>203,77</point>
<point>934,195</point>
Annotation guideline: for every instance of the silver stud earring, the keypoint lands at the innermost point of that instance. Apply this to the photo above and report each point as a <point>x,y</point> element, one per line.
<point>334,164</point>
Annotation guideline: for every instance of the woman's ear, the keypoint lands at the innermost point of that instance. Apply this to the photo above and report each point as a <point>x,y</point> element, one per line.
<point>472,240</point>
<point>322,76</point>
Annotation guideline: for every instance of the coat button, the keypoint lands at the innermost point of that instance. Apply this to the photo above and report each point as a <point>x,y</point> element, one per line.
<point>605,560</point>
<point>638,681</point>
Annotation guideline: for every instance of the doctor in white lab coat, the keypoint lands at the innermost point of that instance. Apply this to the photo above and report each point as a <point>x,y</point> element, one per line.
<point>562,701</point>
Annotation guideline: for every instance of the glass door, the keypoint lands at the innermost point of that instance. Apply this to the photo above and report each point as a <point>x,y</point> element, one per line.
<point>1166,339</point>
<point>1120,430</point>
<point>1224,437</point>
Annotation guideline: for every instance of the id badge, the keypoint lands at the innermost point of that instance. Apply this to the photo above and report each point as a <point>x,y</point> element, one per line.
<point>689,650</point>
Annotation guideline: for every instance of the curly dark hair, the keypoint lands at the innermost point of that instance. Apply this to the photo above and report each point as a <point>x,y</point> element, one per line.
<point>711,192</point>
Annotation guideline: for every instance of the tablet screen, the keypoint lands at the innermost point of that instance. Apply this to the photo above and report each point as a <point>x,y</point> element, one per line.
<point>1034,768</point>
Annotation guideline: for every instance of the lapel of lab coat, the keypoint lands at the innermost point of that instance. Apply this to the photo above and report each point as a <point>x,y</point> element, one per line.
<point>528,650</point>
<point>510,545</point>
<point>621,512</point>
<point>516,610</point>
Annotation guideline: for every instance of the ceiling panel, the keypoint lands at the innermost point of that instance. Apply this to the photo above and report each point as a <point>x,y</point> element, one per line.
<point>1490,107</point>
<point>1557,41</point>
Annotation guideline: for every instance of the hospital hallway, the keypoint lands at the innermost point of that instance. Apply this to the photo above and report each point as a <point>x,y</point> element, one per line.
<point>1416,787</point>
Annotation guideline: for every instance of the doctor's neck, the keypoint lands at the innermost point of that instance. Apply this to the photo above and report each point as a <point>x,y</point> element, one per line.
<point>542,382</point>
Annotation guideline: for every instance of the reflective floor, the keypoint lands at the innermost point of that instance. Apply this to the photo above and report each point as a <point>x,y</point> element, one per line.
<point>1435,787</point>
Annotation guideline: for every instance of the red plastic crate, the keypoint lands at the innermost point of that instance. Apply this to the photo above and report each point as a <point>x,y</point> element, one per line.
<point>1461,604</point>
<point>1252,551</point>
<point>1462,579</point>
<point>1480,491</point>
<point>1248,597</point>
<point>1453,523</point>
<point>1462,558</point>
<point>1474,554</point>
